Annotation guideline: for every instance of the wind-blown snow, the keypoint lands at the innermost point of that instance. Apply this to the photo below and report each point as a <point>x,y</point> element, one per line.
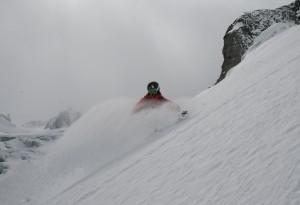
<point>106,133</point>
<point>240,146</point>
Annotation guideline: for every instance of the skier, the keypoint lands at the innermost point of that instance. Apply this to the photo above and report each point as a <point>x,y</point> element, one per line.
<point>152,99</point>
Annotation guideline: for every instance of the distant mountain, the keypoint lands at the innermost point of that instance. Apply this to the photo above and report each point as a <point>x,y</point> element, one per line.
<point>63,119</point>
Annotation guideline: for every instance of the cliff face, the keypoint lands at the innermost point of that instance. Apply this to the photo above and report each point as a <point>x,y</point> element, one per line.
<point>241,33</point>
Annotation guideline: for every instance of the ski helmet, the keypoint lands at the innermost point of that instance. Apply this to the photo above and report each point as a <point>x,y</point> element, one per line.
<point>153,88</point>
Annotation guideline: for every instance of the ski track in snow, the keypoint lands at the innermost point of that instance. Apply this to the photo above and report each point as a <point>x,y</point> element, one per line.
<point>240,146</point>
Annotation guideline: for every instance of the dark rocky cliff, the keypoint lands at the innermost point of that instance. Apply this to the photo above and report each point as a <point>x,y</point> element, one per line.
<point>241,33</point>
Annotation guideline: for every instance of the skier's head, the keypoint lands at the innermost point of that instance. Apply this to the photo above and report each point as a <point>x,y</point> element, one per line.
<point>153,88</point>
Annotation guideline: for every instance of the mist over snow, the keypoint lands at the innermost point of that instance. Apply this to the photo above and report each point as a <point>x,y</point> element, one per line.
<point>106,134</point>
<point>60,54</point>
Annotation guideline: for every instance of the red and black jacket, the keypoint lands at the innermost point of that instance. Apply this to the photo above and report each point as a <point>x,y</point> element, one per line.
<point>150,101</point>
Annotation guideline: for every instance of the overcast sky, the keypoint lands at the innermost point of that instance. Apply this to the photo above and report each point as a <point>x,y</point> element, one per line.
<point>58,54</point>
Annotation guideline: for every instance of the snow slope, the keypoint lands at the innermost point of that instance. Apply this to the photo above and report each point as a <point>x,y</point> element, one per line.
<point>240,145</point>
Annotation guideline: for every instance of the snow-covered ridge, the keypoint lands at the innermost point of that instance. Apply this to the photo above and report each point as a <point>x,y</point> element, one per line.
<point>241,34</point>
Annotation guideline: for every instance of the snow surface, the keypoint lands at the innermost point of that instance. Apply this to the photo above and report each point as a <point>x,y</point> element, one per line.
<point>240,145</point>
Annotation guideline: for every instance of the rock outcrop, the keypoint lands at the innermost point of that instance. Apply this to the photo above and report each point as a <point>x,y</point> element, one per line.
<point>241,33</point>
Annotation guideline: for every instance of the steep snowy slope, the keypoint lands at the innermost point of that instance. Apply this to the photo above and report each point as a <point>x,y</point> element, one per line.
<point>242,146</point>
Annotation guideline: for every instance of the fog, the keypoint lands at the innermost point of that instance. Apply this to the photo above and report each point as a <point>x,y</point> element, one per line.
<point>58,54</point>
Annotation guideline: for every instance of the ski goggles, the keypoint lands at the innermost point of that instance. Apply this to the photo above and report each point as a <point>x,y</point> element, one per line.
<point>153,91</point>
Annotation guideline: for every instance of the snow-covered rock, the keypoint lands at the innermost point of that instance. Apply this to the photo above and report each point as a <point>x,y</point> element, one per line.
<point>63,119</point>
<point>241,34</point>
